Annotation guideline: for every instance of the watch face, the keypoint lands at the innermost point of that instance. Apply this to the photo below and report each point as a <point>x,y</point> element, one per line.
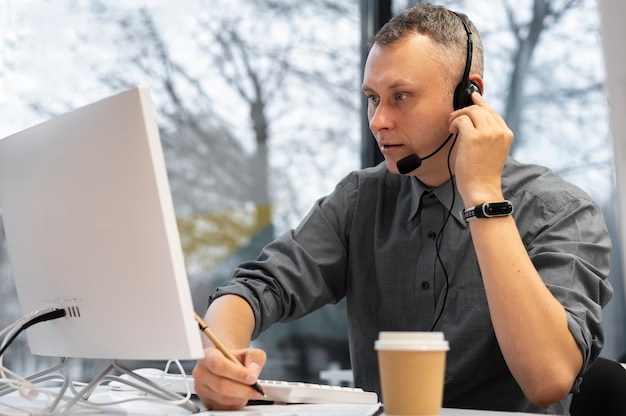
<point>498,208</point>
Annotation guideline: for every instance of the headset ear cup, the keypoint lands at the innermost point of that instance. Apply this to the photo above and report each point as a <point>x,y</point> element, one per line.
<point>474,88</point>
<point>463,94</point>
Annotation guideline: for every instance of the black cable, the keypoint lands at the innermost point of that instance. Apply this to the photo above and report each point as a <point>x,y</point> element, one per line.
<point>440,237</point>
<point>48,316</point>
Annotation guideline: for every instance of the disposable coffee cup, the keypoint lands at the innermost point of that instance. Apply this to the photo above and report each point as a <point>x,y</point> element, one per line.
<point>412,367</point>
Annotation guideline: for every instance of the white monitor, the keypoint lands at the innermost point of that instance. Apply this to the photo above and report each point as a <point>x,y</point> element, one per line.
<point>90,228</point>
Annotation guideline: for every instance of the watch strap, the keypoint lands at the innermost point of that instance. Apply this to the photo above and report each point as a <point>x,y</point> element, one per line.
<point>487,210</point>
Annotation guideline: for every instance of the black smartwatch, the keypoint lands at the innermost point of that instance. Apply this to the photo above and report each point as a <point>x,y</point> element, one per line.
<point>487,210</point>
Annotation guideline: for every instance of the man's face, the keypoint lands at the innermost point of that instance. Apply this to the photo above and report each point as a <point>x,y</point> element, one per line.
<point>409,101</point>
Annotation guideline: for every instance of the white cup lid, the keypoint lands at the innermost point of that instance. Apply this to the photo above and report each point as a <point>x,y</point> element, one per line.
<point>411,341</point>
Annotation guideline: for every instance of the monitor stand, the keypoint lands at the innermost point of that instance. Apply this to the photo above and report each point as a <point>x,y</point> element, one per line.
<point>81,396</point>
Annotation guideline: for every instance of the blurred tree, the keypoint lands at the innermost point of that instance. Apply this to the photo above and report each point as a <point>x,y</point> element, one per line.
<point>275,71</point>
<point>528,67</point>
<point>287,87</point>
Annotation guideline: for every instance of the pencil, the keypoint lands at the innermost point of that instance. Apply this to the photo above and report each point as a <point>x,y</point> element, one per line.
<point>218,344</point>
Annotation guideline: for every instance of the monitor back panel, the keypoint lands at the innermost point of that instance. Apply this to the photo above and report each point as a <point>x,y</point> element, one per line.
<point>91,228</point>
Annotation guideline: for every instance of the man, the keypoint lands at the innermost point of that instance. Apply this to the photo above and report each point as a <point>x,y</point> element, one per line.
<point>517,294</point>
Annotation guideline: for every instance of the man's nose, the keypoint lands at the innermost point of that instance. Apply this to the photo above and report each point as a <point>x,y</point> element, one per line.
<point>380,118</point>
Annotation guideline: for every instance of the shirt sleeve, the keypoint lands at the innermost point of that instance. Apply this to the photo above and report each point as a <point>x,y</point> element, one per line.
<point>303,269</point>
<point>568,242</point>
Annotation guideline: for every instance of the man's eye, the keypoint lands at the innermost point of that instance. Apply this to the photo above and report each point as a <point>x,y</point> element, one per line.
<point>373,99</point>
<point>400,96</point>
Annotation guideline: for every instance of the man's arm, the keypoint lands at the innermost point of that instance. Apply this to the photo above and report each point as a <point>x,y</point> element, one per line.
<point>231,320</point>
<point>530,324</point>
<point>220,383</point>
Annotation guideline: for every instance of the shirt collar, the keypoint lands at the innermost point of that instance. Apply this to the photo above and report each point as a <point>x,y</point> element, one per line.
<point>417,190</point>
<point>443,194</point>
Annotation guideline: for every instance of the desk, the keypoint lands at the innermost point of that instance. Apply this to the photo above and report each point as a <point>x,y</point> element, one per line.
<point>339,410</point>
<point>154,408</point>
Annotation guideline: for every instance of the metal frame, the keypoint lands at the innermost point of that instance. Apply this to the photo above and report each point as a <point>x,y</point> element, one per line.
<point>374,14</point>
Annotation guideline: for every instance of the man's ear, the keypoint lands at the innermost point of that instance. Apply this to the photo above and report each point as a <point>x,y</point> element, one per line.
<point>478,80</point>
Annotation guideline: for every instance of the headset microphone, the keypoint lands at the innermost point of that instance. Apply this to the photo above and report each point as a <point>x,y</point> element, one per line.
<point>462,98</point>
<point>411,162</point>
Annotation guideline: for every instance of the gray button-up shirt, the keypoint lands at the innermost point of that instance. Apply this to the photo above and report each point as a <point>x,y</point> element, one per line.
<point>375,241</point>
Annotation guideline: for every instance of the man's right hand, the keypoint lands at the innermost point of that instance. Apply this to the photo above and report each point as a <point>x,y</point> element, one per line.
<point>224,385</point>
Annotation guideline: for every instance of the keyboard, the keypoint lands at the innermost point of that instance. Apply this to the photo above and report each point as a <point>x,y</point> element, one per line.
<point>275,391</point>
<point>297,392</point>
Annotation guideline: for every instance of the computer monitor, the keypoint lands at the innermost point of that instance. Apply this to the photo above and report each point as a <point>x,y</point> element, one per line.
<point>90,228</point>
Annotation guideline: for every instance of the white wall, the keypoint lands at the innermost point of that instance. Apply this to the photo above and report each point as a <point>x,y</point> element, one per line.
<point>613,30</point>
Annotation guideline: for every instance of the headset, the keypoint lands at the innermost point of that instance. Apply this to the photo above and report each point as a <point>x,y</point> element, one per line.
<point>465,89</point>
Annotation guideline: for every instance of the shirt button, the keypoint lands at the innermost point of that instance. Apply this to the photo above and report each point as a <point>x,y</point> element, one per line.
<point>425,285</point>
<point>432,235</point>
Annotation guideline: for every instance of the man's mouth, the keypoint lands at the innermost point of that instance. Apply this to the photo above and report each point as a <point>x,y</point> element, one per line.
<point>389,146</point>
